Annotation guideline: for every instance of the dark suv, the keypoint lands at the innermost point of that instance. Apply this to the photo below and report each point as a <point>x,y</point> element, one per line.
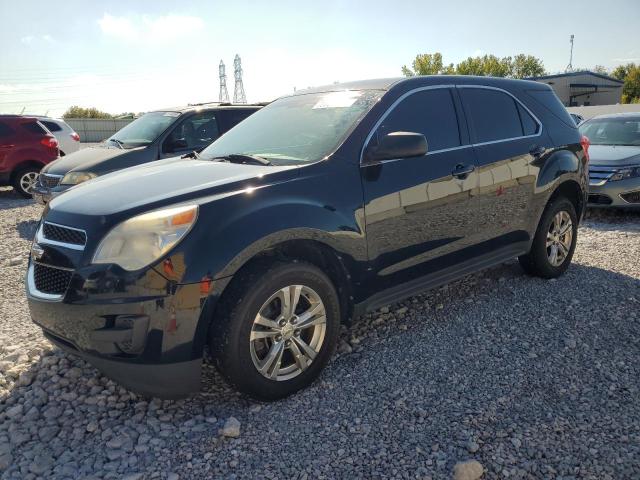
<point>319,207</point>
<point>25,147</point>
<point>160,134</point>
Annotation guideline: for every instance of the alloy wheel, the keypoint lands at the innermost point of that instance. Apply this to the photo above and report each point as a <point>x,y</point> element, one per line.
<point>559,238</point>
<point>28,181</point>
<point>288,332</point>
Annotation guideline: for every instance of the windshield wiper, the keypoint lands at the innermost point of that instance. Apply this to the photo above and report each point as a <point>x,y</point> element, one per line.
<point>117,142</point>
<point>243,158</point>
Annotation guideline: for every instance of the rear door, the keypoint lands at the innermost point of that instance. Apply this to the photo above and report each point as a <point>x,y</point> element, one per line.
<point>418,214</point>
<point>507,139</point>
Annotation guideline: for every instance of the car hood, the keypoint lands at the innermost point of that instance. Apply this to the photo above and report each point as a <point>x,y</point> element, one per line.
<point>162,183</point>
<point>98,160</point>
<point>613,155</point>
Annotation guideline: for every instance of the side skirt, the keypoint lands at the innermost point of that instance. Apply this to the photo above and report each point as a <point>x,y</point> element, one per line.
<point>439,278</point>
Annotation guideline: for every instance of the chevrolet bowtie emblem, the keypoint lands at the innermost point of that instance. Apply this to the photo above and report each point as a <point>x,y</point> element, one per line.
<point>36,252</point>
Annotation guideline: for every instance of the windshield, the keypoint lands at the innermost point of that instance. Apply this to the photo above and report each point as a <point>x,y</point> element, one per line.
<point>144,130</point>
<point>301,128</point>
<point>612,131</point>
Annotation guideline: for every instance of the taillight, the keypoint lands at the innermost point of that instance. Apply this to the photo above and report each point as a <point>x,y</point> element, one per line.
<point>75,136</point>
<point>584,141</point>
<point>49,142</point>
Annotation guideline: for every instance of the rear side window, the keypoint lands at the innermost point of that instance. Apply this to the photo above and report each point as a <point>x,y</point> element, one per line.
<point>549,100</point>
<point>430,112</point>
<point>52,126</point>
<point>529,125</point>
<point>5,130</point>
<point>493,114</point>
<point>34,127</point>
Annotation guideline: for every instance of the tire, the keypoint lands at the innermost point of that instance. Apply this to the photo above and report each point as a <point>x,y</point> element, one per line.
<point>21,184</point>
<point>540,261</point>
<point>240,346</point>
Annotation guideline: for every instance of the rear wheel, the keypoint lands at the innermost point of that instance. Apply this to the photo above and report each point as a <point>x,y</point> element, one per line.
<point>25,180</point>
<point>277,329</point>
<point>555,241</point>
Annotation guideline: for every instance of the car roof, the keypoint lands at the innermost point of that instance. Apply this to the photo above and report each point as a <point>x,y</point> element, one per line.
<point>192,107</point>
<point>427,80</point>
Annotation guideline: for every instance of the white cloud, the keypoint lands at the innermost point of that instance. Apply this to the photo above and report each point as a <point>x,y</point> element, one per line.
<point>149,29</point>
<point>626,60</point>
<point>27,39</point>
<point>32,39</point>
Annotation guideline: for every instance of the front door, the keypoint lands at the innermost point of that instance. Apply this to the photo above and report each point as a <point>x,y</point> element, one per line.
<point>419,215</point>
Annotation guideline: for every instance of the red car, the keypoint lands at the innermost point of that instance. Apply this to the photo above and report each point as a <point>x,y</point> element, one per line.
<point>25,147</point>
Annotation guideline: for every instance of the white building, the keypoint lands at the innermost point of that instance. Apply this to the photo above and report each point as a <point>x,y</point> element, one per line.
<point>583,88</point>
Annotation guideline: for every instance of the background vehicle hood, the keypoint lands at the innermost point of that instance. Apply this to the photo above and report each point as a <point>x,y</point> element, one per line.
<point>613,155</point>
<point>98,160</point>
<point>161,183</point>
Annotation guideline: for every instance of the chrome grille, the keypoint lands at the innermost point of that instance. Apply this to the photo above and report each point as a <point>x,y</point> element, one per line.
<point>60,233</point>
<point>51,280</point>
<point>49,181</point>
<point>599,175</point>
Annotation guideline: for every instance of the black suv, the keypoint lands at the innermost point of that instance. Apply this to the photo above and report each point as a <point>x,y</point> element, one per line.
<point>317,208</point>
<point>164,133</point>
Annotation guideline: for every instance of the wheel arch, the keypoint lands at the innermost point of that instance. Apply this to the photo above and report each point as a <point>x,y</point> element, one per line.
<point>571,190</point>
<point>24,164</point>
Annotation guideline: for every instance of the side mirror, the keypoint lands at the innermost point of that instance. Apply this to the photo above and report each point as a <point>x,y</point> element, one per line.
<point>179,145</point>
<point>396,145</point>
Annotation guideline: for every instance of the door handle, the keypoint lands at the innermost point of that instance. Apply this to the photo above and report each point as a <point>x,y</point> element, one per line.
<point>462,171</point>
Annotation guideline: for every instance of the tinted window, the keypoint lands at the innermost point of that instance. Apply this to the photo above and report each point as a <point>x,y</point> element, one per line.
<point>196,132</point>
<point>5,131</point>
<point>430,112</point>
<point>493,114</point>
<point>52,126</point>
<point>551,102</point>
<point>34,127</point>
<point>529,125</point>
<point>144,130</point>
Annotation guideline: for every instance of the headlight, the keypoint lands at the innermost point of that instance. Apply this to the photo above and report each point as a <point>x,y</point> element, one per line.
<point>139,241</point>
<point>624,173</point>
<point>74,178</point>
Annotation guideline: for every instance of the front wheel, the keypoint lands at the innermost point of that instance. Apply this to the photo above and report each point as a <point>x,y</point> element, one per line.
<point>277,329</point>
<point>25,180</point>
<point>554,242</point>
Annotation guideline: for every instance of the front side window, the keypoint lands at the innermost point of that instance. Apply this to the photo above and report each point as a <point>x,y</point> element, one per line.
<point>194,133</point>
<point>429,112</point>
<point>144,130</point>
<point>298,129</point>
<point>492,114</point>
<point>612,131</point>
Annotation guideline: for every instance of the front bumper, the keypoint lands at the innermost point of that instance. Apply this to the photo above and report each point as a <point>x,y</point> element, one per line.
<point>147,332</point>
<point>620,194</point>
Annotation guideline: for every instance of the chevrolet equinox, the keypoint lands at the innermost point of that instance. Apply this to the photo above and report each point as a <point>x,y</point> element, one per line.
<point>314,210</point>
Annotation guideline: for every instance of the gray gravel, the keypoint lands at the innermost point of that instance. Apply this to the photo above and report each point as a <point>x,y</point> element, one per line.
<point>498,374</point>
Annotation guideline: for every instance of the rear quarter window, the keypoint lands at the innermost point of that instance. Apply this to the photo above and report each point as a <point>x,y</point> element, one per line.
<point>550,101</point>
<point>52,126</point>
<point>34,127</point>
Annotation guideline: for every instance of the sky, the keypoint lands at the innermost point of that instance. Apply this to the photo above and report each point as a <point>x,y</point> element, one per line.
<point>141,55</point>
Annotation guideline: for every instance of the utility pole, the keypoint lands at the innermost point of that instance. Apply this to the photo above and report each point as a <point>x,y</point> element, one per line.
<point>238,91</point>
<point>224,95</point>
<point>570,66</point>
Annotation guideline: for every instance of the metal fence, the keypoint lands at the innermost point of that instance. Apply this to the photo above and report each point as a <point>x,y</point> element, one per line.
<point>96,129</point>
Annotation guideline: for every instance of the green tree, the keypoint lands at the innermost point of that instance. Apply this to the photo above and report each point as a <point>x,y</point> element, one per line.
<point>424,64</point>
<point>631,87</point>
<point>524,66</point>
<point>630,75</point>
<point>600,69</point>
<point>80,112</point>
<point>520,66</point>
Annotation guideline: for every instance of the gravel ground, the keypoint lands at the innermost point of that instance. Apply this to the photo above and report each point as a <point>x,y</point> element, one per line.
<point>530,378</point>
